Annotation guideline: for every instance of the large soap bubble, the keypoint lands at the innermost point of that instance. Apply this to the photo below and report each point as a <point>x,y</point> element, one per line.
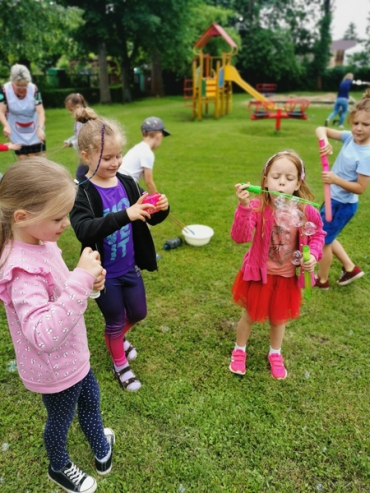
<point>309,228</point>
<point>296,258</point>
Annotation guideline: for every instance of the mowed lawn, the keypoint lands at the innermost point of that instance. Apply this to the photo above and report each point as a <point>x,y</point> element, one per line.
<point>194,427</point>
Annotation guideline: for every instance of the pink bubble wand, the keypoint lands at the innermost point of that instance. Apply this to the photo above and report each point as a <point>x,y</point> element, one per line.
<point>325,167</point>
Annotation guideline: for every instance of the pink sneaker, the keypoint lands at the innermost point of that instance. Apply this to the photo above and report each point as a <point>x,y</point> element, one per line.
<point>278,370</point>
<point>237,363</point>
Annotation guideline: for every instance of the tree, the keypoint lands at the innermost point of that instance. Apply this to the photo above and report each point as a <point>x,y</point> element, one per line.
<point>38,32</point>
<point>351,32</point>
<point>322,45</point>
<point>362,59</point>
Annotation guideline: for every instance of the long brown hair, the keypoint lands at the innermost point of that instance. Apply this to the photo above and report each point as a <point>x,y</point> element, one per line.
<point>35,185</point>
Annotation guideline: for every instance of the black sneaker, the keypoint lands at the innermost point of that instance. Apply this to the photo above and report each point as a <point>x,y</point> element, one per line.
<point>72,479</point>
<point>103,468</point>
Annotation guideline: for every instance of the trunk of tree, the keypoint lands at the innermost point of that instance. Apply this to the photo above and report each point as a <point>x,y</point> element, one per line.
<point>126,89</point>
<point>105,97</point>
<point>126,74</point>
<point>157,89</point>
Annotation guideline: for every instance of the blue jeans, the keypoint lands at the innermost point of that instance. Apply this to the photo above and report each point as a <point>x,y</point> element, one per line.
<point>340,105</point>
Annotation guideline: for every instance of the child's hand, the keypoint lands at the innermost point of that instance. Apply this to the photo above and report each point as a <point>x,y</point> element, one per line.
<point>7,131</point>
<point>242,193</point>
<point>328,177</point>
<point>327,150</point>
<point>14,147</point>
<point>138,211</point>
<point>90,261</point>
<point>41,134</point>
<point>310,264</point>
<point>100,281</point>
<point>162,203</point>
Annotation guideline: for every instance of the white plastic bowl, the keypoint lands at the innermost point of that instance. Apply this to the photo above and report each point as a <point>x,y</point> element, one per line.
<point>199,236</point>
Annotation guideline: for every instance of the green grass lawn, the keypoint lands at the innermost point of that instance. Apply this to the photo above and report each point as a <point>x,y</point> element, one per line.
<point>194,427</point>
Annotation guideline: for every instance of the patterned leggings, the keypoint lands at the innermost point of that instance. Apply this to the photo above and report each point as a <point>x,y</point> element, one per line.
<point>61,408</point>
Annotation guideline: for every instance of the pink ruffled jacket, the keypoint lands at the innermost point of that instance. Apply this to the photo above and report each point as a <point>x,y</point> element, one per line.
<point>249,227</point>
<point>45,305</point>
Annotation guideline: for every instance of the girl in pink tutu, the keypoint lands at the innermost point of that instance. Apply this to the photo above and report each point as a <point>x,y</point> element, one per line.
<point>268,285</point>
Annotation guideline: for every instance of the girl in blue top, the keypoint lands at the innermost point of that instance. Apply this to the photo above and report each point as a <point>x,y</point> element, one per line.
<point>348,178</point>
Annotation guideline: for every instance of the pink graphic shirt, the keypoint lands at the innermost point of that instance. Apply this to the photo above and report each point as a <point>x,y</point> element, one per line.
<point>282,245</point>
<point>45,305</point>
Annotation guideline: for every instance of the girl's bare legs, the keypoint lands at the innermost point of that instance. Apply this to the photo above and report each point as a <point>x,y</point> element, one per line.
<point>342,256</point>
<point>278,370</point>
<point>325,262</point>
<point>239,355</point>
<point>243,329</point>
<point>276,336</point>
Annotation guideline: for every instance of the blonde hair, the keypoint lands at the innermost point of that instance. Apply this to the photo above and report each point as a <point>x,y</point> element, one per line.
<point>303,191</point>
<point>75,99</point>
<point>95,130</point>
<point>362,105</point>
<point>348,76</point>
<point>35,185</point>
<point>20,73</point>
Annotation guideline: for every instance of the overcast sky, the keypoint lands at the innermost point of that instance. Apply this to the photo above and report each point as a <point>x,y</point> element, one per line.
<point>347,11</point>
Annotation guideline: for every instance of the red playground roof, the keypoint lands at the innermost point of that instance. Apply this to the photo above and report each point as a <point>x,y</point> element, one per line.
<point>214,30</point>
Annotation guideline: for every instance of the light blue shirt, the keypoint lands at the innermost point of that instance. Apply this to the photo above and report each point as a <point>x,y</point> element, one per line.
<point>352,160</point>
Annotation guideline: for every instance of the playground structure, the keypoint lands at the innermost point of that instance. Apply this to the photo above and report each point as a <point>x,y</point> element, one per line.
<point>211,84</point>
<point>291,108</point>
<point>212,78</point>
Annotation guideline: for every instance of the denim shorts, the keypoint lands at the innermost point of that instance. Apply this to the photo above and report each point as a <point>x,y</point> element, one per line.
<point>341,216</point>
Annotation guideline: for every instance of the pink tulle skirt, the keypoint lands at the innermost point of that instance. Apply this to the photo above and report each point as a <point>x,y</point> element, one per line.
<point>278,300</point>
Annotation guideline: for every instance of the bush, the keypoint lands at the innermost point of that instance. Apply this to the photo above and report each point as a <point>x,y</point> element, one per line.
<point>54,98</point>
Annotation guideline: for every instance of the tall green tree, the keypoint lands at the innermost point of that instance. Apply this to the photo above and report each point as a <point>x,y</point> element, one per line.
<point>95,35</point>
<point>36,31</point>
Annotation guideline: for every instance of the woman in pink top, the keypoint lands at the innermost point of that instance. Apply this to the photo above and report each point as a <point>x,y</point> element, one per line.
<point>267,285</point>
<point>45,305</point>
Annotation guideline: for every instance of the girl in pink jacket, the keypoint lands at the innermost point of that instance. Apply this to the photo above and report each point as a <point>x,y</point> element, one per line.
<point>267,285</point>
<point>45,305</point>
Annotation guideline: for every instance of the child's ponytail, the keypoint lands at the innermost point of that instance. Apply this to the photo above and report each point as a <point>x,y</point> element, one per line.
<point>83,115</point>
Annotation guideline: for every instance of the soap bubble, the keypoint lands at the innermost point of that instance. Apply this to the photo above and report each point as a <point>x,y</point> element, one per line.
<point>296,218</point>
<point>279,202</point>
<point>296,257</point>
<point>309,228</point>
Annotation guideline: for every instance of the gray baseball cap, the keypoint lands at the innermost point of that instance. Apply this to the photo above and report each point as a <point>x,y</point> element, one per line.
<point>154,123</point>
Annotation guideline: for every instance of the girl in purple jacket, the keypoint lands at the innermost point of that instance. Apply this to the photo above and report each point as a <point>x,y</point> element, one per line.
<point>45,305</point>
<point>267,285</point>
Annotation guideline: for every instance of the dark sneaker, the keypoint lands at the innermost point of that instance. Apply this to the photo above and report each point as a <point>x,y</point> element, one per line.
<point>72,479</point>
<point>348,277</point>
<point>326,123</point>
<point>321,285</point>
<point>103,468</point>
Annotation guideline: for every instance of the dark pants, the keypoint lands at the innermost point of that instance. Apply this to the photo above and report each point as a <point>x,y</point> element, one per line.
<point>61,408</point>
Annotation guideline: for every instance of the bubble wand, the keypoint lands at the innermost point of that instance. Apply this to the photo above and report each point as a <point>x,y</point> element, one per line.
<point>307,275</point>
<point>257,189</point>
<point>325,167</point>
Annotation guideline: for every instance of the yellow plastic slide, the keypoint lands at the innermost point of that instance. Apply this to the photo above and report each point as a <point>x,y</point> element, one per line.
<point>232,75</point>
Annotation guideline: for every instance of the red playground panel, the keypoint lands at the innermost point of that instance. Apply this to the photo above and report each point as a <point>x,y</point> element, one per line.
<point>292,108</point>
